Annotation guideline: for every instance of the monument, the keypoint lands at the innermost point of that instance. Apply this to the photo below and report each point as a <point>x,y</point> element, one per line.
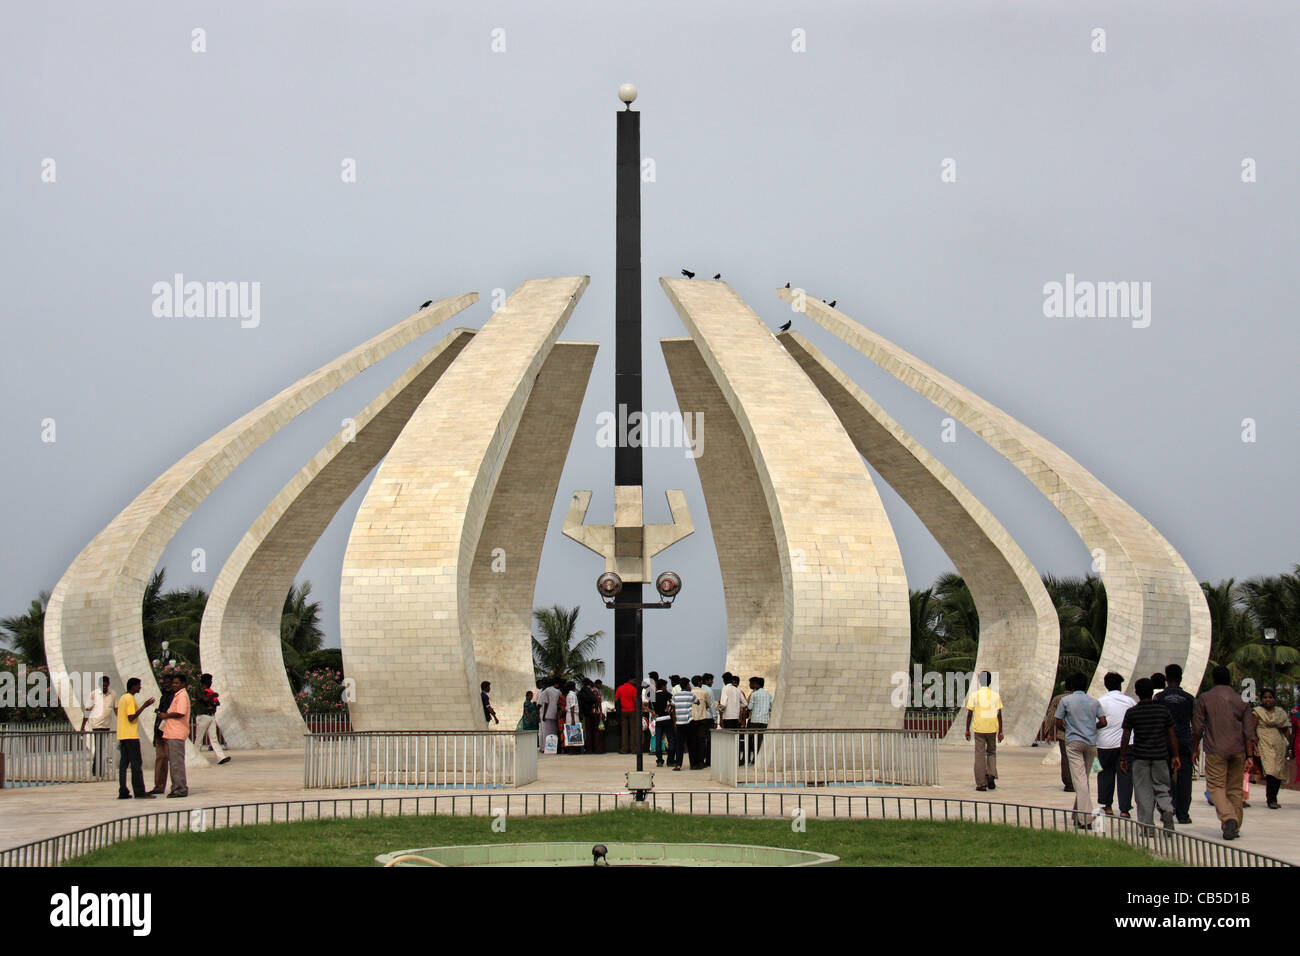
<point>438,579</point>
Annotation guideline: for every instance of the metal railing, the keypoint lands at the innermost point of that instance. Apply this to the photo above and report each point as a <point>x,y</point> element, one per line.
<point>930,720</point>
<point>420,758</point>
<point>57,756</point>
<point>819,758</point>
<point>1177,846</point>
<point>328,723</point>
<point>53,724</point>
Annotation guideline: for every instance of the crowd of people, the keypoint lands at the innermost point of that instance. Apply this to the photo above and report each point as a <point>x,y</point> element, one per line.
<point>677,714</point>
<point>1144,750</point>
<point>171,730</point>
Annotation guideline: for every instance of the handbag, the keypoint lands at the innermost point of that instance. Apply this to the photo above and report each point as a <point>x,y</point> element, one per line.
<point>573,735</point>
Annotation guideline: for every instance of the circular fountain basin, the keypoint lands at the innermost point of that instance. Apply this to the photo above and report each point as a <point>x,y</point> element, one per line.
<point>618,854</point>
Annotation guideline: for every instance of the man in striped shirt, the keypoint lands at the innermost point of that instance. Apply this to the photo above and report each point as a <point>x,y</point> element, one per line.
<point>683,702</point>
<point>1150,730</point>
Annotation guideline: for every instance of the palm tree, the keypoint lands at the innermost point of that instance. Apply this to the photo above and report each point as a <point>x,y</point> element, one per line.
<point>925,617</point>
<point>1238,614</point>
<point>172,616</point>
<point>555,654</point>
<point>300,633</point>
<point>1081,610</point>
<point>25,633</point>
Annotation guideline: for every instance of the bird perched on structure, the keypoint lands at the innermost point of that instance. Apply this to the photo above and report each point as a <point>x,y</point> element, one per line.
<point>786,327</point>
<point>688,273</point>
<point>718,276</point>
<point>427,304</point>
<point>598,853</point>
<point>831,303</point>
<point>787,285</point>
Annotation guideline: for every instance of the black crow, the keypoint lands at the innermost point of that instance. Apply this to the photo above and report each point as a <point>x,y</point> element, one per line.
<point>787,285</point>
<point>831,303</point>
<point>786,327</point>
<point>688,273</point>
<point>427,304</point>
<point>718,276</point>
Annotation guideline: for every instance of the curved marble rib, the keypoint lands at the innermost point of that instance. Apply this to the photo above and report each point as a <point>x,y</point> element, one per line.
<point>241,625</point>
<point>93,621</point>
<point>845,631</point>
<point>742,529</point>
<point>1156,611</point>
<point>1019,632</point>
<point>405,621</point>
<point>503,578</point>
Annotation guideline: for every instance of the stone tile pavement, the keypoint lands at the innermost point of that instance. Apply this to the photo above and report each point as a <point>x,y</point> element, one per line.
<point>33,813</point>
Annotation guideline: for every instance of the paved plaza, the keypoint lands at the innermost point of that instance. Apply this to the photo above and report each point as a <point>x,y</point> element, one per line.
<point>28,814</point>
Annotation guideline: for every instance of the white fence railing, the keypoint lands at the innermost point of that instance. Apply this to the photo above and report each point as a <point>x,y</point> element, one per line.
<point>420,759</point>
<point>328,723</point>
<point>820,758</point>
<point>57,756</point>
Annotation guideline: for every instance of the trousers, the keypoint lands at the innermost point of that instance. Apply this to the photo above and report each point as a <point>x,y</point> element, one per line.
<point>1223,776</point>
<point>1110,776</point>
<point>176,767</point>
<point>986,758</point>
<point>1079,754</point>
<point>130,757</point>
<point>1151,788</point>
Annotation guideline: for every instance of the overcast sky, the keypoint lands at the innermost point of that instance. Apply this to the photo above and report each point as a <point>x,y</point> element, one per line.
<point>477,169</point>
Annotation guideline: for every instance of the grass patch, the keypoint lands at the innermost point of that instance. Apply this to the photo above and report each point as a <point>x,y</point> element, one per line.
<point>356,842</point>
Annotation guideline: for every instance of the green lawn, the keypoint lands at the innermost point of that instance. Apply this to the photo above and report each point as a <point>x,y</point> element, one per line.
<point>356,842</point>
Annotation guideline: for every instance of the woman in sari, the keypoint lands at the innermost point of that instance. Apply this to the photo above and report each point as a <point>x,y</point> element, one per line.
<point>1273,732</point>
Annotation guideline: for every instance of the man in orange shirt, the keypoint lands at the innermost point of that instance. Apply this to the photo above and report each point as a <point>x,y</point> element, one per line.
<point>176,731</point>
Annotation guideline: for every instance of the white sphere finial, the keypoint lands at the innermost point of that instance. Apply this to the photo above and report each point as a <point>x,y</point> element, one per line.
<point>627,93</point>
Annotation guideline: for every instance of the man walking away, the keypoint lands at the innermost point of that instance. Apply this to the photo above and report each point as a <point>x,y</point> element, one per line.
<point>984,717</point>
<point>1219,720</point>
<point>128,743</point>
<point>160,742</point>
<point>760,713</point>
<point>549,703</point>
<point>1113,707</point>
<point>101,713</point>
<point>1181,706</point>
<point>1150,730</point>
<point>625,698</point>
<point>1079,716</point>
<point>176,731</point>
<point>683,706</point>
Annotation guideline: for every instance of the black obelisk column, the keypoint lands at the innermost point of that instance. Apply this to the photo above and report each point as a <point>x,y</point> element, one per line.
<point>627,380</point>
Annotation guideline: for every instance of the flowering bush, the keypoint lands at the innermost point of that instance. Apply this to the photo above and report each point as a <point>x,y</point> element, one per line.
<point>163,671</point>
<point>323,693</point>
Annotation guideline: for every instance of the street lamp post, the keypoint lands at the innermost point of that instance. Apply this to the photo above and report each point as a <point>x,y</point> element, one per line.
<point>1270,638</point>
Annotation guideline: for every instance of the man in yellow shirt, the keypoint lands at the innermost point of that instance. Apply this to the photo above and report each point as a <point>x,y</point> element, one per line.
<point>128,743</point>
<point>984,717</point>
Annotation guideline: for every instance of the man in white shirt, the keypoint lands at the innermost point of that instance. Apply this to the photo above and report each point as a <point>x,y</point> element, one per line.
<point>101,714</point>
<point>1113,705</point>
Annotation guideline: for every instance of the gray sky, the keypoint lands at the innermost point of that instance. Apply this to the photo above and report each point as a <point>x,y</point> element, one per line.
<point>477,170</point>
